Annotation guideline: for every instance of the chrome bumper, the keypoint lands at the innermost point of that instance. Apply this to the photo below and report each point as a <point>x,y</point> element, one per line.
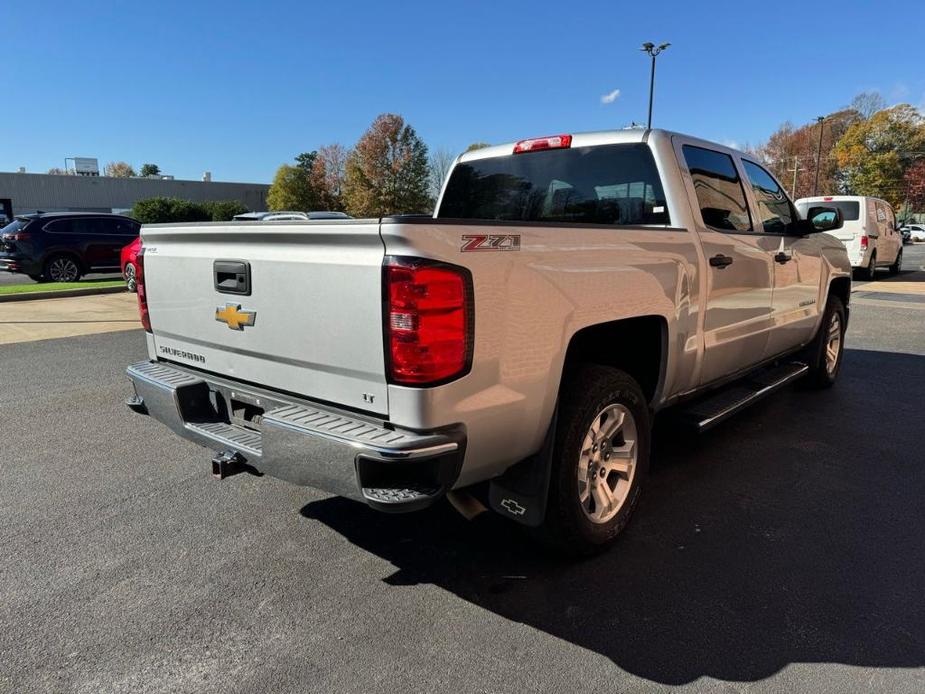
<point>301,442</point>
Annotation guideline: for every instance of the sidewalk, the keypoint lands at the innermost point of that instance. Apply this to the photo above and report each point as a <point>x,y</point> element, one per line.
<point>43,319</point>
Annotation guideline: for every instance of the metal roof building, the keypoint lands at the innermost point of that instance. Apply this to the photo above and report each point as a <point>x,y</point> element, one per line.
<point>27,192</point>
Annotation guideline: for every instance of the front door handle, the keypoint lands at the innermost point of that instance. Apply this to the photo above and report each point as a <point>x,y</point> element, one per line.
<point>720,261</point>
<point>782,257</point>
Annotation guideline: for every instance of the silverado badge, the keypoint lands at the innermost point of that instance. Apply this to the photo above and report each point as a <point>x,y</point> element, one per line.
<point>234,316</point>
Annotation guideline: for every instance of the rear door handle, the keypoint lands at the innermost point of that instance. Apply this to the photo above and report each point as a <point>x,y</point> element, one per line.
<point>782,257</point>
<point>720,261</point>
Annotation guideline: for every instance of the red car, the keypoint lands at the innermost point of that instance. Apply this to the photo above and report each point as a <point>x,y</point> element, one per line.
<point>129,264</point>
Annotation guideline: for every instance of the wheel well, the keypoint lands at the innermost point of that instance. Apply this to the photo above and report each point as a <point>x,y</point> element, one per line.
<point>70,254</point>
<point>841,287</point>
<point>634,345</point>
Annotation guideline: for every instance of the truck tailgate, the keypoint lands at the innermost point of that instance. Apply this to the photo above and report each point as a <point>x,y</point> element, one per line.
<point>311,323</point>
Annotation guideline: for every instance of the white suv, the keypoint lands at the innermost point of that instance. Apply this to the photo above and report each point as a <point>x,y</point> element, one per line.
<point>869,232</point>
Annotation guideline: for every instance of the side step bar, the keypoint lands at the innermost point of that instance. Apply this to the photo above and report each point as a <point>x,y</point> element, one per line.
<point>709,412</point>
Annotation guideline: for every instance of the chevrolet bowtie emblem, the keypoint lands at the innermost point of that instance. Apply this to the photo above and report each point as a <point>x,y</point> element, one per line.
<point>234,316</point>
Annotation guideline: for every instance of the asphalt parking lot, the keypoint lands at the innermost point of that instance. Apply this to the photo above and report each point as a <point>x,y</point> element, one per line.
<point>18,278</point>
<point>782,551</point>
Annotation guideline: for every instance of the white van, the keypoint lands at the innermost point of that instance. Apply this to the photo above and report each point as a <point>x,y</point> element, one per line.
<point>869,232</point>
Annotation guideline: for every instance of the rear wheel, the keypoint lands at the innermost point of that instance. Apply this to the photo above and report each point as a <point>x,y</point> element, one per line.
<point>600,459</point>
<point>870,272</point>
<point>897,265</point>
<point>824,353</point>
<point>61,268</point>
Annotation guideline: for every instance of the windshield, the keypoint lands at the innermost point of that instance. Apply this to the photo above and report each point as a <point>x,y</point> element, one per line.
<point>606,184</point>
<point>850,209</point>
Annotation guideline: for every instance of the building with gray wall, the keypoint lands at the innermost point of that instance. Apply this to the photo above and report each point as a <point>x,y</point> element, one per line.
<point>28,192</point>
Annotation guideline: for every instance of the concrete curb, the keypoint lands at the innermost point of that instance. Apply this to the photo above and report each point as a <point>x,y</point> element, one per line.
<point>61,293</point>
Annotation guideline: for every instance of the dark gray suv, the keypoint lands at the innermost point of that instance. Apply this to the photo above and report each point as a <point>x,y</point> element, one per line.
<point>63,246</point>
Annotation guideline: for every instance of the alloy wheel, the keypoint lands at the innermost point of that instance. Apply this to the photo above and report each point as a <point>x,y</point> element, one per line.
<point>607,463</point>
<point>833,344</point>
<point>63,270</point>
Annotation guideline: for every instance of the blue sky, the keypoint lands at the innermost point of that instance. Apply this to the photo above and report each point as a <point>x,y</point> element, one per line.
<point>238,88</point>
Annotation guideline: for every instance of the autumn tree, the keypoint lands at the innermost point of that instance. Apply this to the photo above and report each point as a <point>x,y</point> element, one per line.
<point>867,104</point>
<point>150,170</point>
<point>387,172</point>
<point>439,162</point>
<point>875,154</point>
<point>791,146</point>
<point>58,171</point>
<point>477,145</point>
<point>119,169</point>
<point>327,176</point>
<point>914,179</point>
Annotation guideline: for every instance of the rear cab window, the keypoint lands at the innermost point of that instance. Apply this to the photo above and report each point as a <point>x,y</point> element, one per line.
<point>605,184</point>
<point>719,189</point>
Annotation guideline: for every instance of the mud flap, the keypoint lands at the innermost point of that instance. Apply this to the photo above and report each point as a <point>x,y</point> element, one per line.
<point>521,492</point>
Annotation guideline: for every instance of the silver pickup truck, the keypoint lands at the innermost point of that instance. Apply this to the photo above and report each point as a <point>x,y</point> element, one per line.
<point>517,342</point>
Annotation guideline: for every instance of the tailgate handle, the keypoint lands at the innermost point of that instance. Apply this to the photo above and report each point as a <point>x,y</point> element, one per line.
<point>232,277</point>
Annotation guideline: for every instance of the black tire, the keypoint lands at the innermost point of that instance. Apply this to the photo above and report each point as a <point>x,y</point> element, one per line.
<point>869,273</point>
<point>897,265</point>
<point>62,268</point>
<point>820,374</point>
<point>37,278</point>
<point>586,393</point>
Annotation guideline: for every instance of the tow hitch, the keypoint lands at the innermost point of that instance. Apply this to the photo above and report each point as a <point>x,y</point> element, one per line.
<point>226,463</point>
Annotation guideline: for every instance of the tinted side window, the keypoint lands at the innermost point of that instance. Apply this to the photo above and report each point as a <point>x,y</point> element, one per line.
<point>59,226</point>
<point>719,190</point>
<point>774,209</point>
<point>112,227</point>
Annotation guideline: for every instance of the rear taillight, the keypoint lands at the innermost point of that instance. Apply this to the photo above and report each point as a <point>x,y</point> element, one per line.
<point>538,143</point>
<point>18,236</point>
<point>142,290</point>
<point>428,321</point>
<point>864,242</point>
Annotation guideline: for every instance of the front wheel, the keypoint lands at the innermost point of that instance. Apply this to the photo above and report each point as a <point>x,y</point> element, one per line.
<point>897,265</point>
<point>600,459</point>
<point>824,353</point>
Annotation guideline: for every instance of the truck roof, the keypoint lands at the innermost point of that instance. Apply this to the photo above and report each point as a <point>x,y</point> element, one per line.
<point>591,139</point>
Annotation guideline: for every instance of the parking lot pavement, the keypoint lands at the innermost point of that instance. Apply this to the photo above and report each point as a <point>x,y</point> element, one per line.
<point>781,551</point>
<point>42,319</point>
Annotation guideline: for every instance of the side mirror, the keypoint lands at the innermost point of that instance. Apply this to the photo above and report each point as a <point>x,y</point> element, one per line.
<point>824,219</point>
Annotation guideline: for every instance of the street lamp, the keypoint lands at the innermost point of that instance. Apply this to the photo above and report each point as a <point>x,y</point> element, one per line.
<point>820,120</point>
<point>653,51</point>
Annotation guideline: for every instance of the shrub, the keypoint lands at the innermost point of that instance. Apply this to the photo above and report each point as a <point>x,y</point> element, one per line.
<point>225,210</point>
<point>171,210</point>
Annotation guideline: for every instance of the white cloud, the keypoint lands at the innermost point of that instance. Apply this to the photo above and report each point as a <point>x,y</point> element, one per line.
<point>732,144</point>
<point>611,97</point>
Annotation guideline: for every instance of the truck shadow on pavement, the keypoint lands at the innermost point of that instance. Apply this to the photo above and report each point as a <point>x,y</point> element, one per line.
<point>790,534</point>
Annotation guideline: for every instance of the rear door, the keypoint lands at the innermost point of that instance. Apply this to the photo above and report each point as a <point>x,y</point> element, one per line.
<point>739,272</point>
<point>295,306</point>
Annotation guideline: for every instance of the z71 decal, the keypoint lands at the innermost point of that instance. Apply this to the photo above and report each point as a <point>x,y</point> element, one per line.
<point>490,242</point>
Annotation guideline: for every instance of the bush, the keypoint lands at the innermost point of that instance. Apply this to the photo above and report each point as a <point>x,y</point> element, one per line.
<point>171,210</point>
<point>225,210</point>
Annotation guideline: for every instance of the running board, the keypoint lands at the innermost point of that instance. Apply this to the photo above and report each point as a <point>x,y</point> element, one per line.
<point>707,413</point>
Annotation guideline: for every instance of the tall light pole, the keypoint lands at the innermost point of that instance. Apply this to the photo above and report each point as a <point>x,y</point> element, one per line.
<point>653,51</point>
<point>820,120</point>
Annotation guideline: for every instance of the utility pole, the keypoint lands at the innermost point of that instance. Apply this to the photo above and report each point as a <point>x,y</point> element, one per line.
<point>793,188</point>
<point>820,120</point>
<point>651,49</point>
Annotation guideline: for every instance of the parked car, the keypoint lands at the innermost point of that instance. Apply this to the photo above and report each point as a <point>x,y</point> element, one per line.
<point>63,246</point>
<point>515,343</point>
<point>288,216</point>
<point>906,233</point>
<point>916,231</point>
<point>129,264</point>
<point>869,233</point>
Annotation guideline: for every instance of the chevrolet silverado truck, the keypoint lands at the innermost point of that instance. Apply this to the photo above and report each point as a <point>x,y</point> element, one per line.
<point>517,342</point>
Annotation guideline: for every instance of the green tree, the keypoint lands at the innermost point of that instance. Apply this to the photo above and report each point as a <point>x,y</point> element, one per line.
<point>477,145</point>
<point>150,170</point>
<point>874,154</point>
<point>292,190</point>
<point>170,210</point>
<point>225,210</point>
<point>387,172</point>
<point>306,160</point>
